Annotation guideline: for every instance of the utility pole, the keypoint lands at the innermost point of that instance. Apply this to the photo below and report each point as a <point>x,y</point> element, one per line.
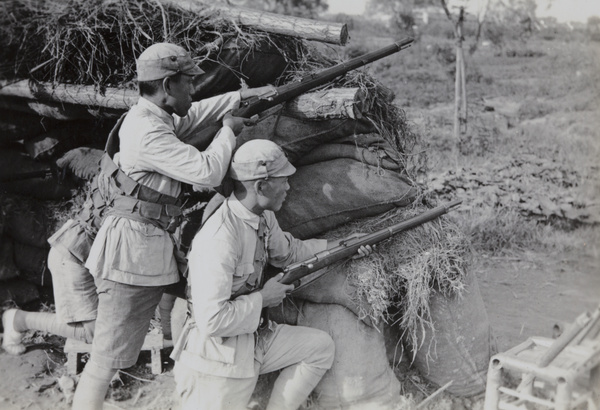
<point>460,89</point>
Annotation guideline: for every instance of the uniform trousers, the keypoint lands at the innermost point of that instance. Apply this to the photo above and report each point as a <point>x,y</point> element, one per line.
<point>74,287</point>
<point>304,353</point>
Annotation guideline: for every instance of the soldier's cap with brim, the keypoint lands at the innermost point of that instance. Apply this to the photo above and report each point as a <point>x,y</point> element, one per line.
<point>260,159</point>
<point>162,60</point>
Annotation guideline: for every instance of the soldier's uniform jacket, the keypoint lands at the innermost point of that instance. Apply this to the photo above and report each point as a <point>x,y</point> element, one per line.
<point>223,259</point>
<point>134,245</point>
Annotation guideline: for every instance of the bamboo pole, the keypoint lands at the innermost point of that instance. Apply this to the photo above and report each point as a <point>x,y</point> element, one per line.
<point>326,32</point>
<point>460,108</point>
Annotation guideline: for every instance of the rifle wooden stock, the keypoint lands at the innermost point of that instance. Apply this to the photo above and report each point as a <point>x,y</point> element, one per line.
<point>296,271</point>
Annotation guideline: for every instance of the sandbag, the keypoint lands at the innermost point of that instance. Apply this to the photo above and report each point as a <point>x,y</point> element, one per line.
<point>82,162</point>
<point>15,164</point>
<point>361,377</point>
<point>298,137</point>
<point>18,291</point>
<point>326,152</point>
<point>27,222</point>
<point>15,126</point>
<point>32,262</point>
<point>328,194</point>
<point>41,188</point>
<point>237,62</point>
<point>462,344</point>
<point>8,269</point>
<point>57,141</point>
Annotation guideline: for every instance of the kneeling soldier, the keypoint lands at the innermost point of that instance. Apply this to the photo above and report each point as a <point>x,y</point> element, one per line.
<point>224,347</point>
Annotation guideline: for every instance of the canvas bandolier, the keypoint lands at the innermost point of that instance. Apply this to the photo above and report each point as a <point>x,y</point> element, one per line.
<point>112,192</point>
<point>127,198</point>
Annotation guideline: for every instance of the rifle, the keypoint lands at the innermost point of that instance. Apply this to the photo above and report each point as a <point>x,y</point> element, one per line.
<point>296,271</point>
<point>257,104</point>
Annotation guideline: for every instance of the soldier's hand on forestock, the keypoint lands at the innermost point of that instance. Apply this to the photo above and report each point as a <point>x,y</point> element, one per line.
<point>274,292</point>
<point>364,250</point>
<point>235,123</point>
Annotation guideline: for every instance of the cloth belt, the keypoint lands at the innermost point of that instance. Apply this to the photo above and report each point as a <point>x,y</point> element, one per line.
<point>131,187</point>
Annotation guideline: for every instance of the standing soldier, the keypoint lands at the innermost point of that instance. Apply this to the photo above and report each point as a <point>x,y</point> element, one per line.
<point>133,256</point>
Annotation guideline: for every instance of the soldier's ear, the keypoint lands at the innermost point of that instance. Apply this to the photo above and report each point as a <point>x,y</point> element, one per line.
<point>259,186</point>
<point>166,85</point>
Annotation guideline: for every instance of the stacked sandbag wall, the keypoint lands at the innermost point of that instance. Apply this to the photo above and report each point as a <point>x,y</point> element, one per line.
<point>33,207</point>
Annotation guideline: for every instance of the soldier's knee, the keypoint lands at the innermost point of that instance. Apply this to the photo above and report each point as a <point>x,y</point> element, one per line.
<point>325,350</point>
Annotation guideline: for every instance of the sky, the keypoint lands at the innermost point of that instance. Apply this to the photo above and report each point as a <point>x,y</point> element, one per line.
<point>563,10</point>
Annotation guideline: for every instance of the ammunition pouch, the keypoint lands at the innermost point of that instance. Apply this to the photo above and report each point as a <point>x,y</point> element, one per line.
<point>165,216</point>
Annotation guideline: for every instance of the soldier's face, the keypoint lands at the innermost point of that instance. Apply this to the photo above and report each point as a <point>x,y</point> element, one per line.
<point>274,192</point>
<point>181,89</point>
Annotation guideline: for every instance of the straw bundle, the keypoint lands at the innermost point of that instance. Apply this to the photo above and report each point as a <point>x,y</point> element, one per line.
<point>95,42</point>
<point>397,280</point>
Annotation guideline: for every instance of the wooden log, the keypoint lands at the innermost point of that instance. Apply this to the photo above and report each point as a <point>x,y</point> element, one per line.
<point>326,32</point>
<point>56,110</point>
<point>85,95</point>
<point>328,104</point>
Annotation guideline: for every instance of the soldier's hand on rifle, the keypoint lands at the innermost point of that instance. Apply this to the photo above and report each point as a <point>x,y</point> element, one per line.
<point>363,251</point>
<point>236,123</point>
<point>263,93</point>
<point>274,292</point>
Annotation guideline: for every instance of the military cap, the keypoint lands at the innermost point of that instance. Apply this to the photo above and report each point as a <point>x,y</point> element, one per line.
<point>161,60</point>
<point>259,159</point>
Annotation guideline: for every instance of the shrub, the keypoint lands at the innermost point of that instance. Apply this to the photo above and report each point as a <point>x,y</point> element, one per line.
<point>499,231</point>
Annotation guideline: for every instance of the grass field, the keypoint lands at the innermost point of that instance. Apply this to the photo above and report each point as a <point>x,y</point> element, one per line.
<point>527,169</point>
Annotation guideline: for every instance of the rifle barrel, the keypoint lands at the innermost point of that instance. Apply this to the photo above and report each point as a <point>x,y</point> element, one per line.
<point>297,271</point>
<point>308,82</point>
